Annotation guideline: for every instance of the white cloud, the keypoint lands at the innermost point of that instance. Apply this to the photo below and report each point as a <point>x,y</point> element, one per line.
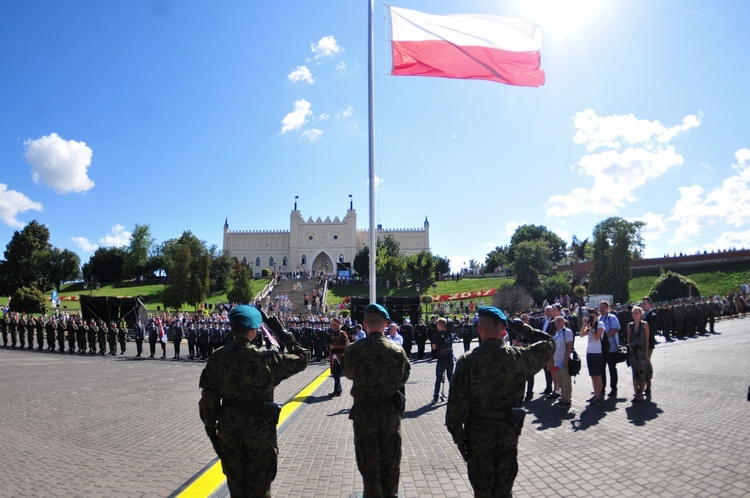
<point>84,244</point>
<point>595,131</point>
<point>341,67</point>
<point>324,117</point>
<point>60,164</point>
<point>511,227</point>
<point>13,203</point>
<point>117,237</point>
<point>311,135</point>
<point>326,47</point>
<point>617,172</point>
<point>302,73</point>
<point>297,118</point>
<point>729,203</point>
<point>346,113</point>
<point>655,225</point>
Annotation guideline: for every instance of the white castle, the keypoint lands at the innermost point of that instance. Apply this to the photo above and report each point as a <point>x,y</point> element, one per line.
<point>314,245</point>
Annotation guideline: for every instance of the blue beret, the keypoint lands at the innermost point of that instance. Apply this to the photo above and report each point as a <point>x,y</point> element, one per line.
<point>492,312</point>
<point>246,317</point>
<point>377,309</point>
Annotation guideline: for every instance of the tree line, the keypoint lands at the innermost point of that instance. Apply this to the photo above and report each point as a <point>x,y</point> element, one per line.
<point>189,267</point>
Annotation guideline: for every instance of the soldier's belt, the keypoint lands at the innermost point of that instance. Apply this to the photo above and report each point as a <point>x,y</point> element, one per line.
<point>251,408</point>
<point>503,414</point>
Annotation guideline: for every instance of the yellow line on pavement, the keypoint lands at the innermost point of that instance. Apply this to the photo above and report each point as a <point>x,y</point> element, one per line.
<point>213,477</point>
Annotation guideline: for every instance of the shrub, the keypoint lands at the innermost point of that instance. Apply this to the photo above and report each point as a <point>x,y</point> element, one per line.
<point>671,285</point>
<point>28,299</point>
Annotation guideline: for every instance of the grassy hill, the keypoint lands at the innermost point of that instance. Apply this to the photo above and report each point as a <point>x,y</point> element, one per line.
<point>710,279</point>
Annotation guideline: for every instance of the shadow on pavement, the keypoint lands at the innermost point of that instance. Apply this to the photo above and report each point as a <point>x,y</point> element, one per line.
<point>548,415</point>
<point>640,413</point>
<point>420,411</point>
<point>591,415</point>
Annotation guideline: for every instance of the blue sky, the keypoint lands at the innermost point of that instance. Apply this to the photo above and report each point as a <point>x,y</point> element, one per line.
<point>183,114</point>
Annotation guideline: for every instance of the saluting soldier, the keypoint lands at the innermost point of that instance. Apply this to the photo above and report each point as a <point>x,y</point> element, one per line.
<point>72,329</point>
<point>93,334</point>
<point>101,336</point>
<point>40,327</point>
<point>237,407</point>
<point>82,335</point>
<point>51,328</point>
<point>61,330</point>
<point>112,338</point>
<point>483,414</point>
<point>21,325</point>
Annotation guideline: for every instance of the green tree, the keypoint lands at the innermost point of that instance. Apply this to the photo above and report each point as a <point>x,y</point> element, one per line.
<point>497,258</point>
<point>616,242</point>
<point>240,283</point>
<point>556,285</point>
<point>577,249</point>
<point>188,271</point>
<point>136,254</point>
<point>24,254</point>
<point>530,260</point>
<point>390,263</point>
<point>222,264</point>
<point>105,265</point>
<point>527,233</point>
<point>61,265</point>
<point>420,268</point>
<point>361,263</point>
<point>442,266</point>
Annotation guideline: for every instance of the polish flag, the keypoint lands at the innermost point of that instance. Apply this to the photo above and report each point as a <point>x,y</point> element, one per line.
<point>475,47</point>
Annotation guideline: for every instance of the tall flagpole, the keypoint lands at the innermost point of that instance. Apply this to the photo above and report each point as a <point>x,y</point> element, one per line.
<point>370,101</point>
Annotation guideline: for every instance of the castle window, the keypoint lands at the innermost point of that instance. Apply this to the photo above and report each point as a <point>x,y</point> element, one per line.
<point>341,258</point>
<point>271,261</point>
<point>244,261</point>
<point>257,261</point>
<point>285,261</point>
<point>304,259</point>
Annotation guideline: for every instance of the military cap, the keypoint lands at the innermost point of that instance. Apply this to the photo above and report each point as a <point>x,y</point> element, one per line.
<point>492,312</point>
<point>245,316</point>
<point>336,320</point>
<point>377,309</point>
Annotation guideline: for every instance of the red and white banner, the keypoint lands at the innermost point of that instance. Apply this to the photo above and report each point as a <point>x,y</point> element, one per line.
<point>479,47</point>
<point>162,333</point>
<point>459,296</point>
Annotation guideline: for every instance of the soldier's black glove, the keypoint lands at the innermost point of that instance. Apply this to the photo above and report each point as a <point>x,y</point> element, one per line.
<point>284,336</point>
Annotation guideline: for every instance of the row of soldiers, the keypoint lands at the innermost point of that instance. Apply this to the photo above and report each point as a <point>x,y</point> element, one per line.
<point>93,336</point>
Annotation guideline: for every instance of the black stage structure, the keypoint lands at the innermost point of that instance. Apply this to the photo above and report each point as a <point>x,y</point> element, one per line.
<point>398,308</point>
<point>109,308</point>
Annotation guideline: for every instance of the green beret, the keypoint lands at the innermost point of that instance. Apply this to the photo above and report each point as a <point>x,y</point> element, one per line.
<point>246,317</point>
<point>373,308</point>
<point>492,312</point>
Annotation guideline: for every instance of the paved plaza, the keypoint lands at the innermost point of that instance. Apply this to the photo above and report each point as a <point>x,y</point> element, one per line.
<point>77,425</point>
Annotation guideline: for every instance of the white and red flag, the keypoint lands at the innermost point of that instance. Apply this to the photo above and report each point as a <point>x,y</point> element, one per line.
<point>478,47</point>
<point>160,327</point>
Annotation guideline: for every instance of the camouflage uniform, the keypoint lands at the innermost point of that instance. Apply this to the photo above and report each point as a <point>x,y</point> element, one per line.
<point>236,382</point>
<point>378,368</point>
<point>488,381</point>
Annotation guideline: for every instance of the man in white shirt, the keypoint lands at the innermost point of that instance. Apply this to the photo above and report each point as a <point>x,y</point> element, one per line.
<point>394,336</point>
<point>564,348</point>
<point>612,330</point>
